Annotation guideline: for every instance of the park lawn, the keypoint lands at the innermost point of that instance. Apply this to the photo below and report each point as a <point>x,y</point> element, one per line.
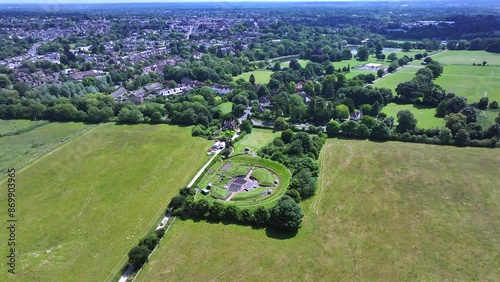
<point>395,212</point>
<point>17,151</point>
<point>425,117</point>
<point>392,80</point>
<point>261,76</point>
<point>226,107</point>
<point>255,140</point>
<point>18,126</point>
<point>302,63</point>
<point>465,57</point>
<point>471,82</point>
<point>82,207</point>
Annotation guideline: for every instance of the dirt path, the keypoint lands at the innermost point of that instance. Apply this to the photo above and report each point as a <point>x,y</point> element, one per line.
<point>323,187</point>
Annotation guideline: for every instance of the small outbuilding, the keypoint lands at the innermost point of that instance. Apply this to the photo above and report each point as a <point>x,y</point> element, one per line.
<point>205,191</point>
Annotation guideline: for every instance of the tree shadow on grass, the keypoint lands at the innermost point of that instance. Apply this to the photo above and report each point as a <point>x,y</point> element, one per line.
<point>279,234</point>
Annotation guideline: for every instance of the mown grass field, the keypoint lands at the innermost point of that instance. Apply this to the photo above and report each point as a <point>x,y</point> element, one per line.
<point>464,57</point>
<point>82,207</point>
<point>471,82</point>
<point>261,76</point>
<point>255,140</point>
<point>18,151</point>
<point>425,117</point>
<point>383,212</point>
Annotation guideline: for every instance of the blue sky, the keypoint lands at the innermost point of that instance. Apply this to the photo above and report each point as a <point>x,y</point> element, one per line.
<point>47,2</point>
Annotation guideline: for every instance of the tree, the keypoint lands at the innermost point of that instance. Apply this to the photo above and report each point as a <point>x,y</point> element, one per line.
<point>380,72</point>
<point>483,103</point>
<point>138,255</point>
<point>436,68</point>
<point>177,202</point>
<point>286,215</point>
<point>494,105</point>
<point>462,138</point>
<point>379,47</point>
<point>64,112</point>
<point>287,135</point>
<point>280,124</point>
<point>130,115</point>
<point>4,81</point>
<point>238,110</point>
<point>406,121</point>
<point>363,53</point>
<point>332,128</point>
<point>277,67</point>
<point>380,131</point>
<point>217,211</point>
<point>160,232</point>
<point>252,79</point>
<point>455,122</point>
<point>406,46</point>
<point>246,126</point>
<point>392,57</point>
<point>342,111</point>
<point>294,194</point>
<point>392,67</point>
<point>445,136</point>
<point>64,59</point>
<point>261,216</point>
<point>150,241</point>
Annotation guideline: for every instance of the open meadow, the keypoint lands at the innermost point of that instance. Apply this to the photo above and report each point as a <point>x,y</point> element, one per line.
<point>34,140</point>
<point>425,117</point>
<point>383,212</point>
<point>83,206</point>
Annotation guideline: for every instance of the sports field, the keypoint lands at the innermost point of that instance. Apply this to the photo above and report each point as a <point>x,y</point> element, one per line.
<point>32,142</point>
<point>82,207</point>
<point>471,82</point>
<point>425,117</point>
<point>383,212</point>
<point>261,76</point>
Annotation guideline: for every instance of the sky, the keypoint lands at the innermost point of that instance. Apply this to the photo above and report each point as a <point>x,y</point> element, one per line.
<point>48,2</point>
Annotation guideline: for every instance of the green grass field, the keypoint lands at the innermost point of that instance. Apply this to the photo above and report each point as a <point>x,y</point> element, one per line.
<point>255,140</point>
<point>392,80</point>
<point>425,117</point>
<point>471,82</point>
<point>82,207</point>
<point>18,151</point>
<point>467,58</point>
<point>261,76</point>
<point>226,107</point>
<point>18,126</point>
<point>394,212</point>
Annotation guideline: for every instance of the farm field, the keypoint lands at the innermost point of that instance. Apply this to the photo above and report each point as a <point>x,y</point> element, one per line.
<point>425,117</point>
<point>255,140</point>
<point>17,151</point>
<point>261,76</point>
<point>395,212</point>
<point>83,206</point>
